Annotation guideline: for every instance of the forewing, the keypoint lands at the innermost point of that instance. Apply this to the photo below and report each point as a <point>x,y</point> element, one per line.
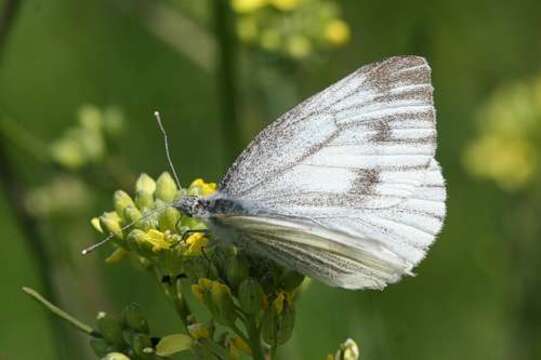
<point>364,140</point>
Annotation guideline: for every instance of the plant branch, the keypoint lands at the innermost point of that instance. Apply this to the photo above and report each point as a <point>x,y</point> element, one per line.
<point>76,323</point>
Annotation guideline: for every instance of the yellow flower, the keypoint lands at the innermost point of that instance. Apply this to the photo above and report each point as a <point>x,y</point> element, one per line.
<point>195,243</point>
<point>285,5</point>
<point>200,187</point>
<point>337,32</point>
<point>157,240</point>
<point>247,6</point>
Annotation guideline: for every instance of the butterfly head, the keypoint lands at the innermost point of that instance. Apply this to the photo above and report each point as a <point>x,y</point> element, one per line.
<point>193,206</point>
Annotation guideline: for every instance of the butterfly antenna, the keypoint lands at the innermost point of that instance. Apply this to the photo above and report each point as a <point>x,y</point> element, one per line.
<point>166,143</point>
<point>127,226</point>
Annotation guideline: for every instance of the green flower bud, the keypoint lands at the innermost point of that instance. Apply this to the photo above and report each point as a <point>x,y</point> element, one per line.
<point>115,356</point>
<point>132,215</point>
<point>100,347</point>
<point>197,268</point>
<point>173,344</point>
<point>166,188</point>
<point>251,296</point>
<point>110,222</point>
<point>168,219</point>
<point>142,347</point>
<point>223,303</point>
<point>144,200</point>
<point>236,270</point>
<point>133,318</point>
<point>145,184</point>
<point>278,322</point>
<point>291,280</point>
<point>110,329</point>
<point>122,200</point>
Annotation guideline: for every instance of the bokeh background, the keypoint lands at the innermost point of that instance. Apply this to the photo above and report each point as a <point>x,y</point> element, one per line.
<point>79,82</point>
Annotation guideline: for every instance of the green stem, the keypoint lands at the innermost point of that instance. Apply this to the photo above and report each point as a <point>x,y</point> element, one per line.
<point>227,76</point>
<point>174,293</point>
<point>254,335</point>
<point>76,323</point>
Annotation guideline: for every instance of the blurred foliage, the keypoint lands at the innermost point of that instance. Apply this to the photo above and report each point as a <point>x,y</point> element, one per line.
<point>477,292</point>
<point>507,150</point>
<point>294,29</point>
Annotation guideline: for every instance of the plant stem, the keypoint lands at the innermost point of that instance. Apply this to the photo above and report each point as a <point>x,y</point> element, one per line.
<point>227,76</point>
<point>255,338</point>
<point>173,291</point>
<point>76,323</point>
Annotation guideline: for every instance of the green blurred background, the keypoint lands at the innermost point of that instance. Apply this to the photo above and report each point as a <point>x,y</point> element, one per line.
<point>477,294</point>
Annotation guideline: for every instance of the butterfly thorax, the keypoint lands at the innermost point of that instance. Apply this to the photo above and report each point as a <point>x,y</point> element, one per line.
<point>208,207</point>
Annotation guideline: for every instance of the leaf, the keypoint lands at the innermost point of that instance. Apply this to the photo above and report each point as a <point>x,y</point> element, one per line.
<point>172,344</point>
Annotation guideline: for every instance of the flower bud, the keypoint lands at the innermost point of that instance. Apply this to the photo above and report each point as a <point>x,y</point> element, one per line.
<point>110,222</point>
<point>168,219</point>
<point>278,321</point>
<point>132,215</point>
<point>142,347</point>
<point>145,184</point>
<point>144,200</point>
<point>133,318</point>
<point>122,200</point>
<point>166,188</point>
<point>100,347</point>
<point>172,344</point>
<point>115,356</point>
<point>236,270</point>
<point>199,331</point>
<point>251,296</point>
<point>225,308</point>
<point>95,222</point>
<point>348,351</point>
<point>118,255</point>
<point>110,329</point>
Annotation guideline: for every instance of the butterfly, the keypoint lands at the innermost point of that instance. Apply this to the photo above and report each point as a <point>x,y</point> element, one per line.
<point>344,187</point>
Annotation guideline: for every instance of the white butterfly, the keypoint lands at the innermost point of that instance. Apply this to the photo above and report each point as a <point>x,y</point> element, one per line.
<point>344,187</point>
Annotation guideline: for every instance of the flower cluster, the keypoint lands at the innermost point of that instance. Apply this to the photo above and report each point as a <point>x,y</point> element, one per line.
<point>507,150</point>
<point>85,143</point>
<point>251,300</point>
<point>291,28</point>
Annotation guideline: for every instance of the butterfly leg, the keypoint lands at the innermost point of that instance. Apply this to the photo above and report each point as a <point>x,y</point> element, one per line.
<point>189,232</point>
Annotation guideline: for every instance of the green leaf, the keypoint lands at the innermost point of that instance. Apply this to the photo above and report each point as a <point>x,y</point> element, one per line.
<point>172,344</point>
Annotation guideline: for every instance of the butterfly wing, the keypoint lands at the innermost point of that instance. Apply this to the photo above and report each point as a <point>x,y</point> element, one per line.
<point>355,162</point>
